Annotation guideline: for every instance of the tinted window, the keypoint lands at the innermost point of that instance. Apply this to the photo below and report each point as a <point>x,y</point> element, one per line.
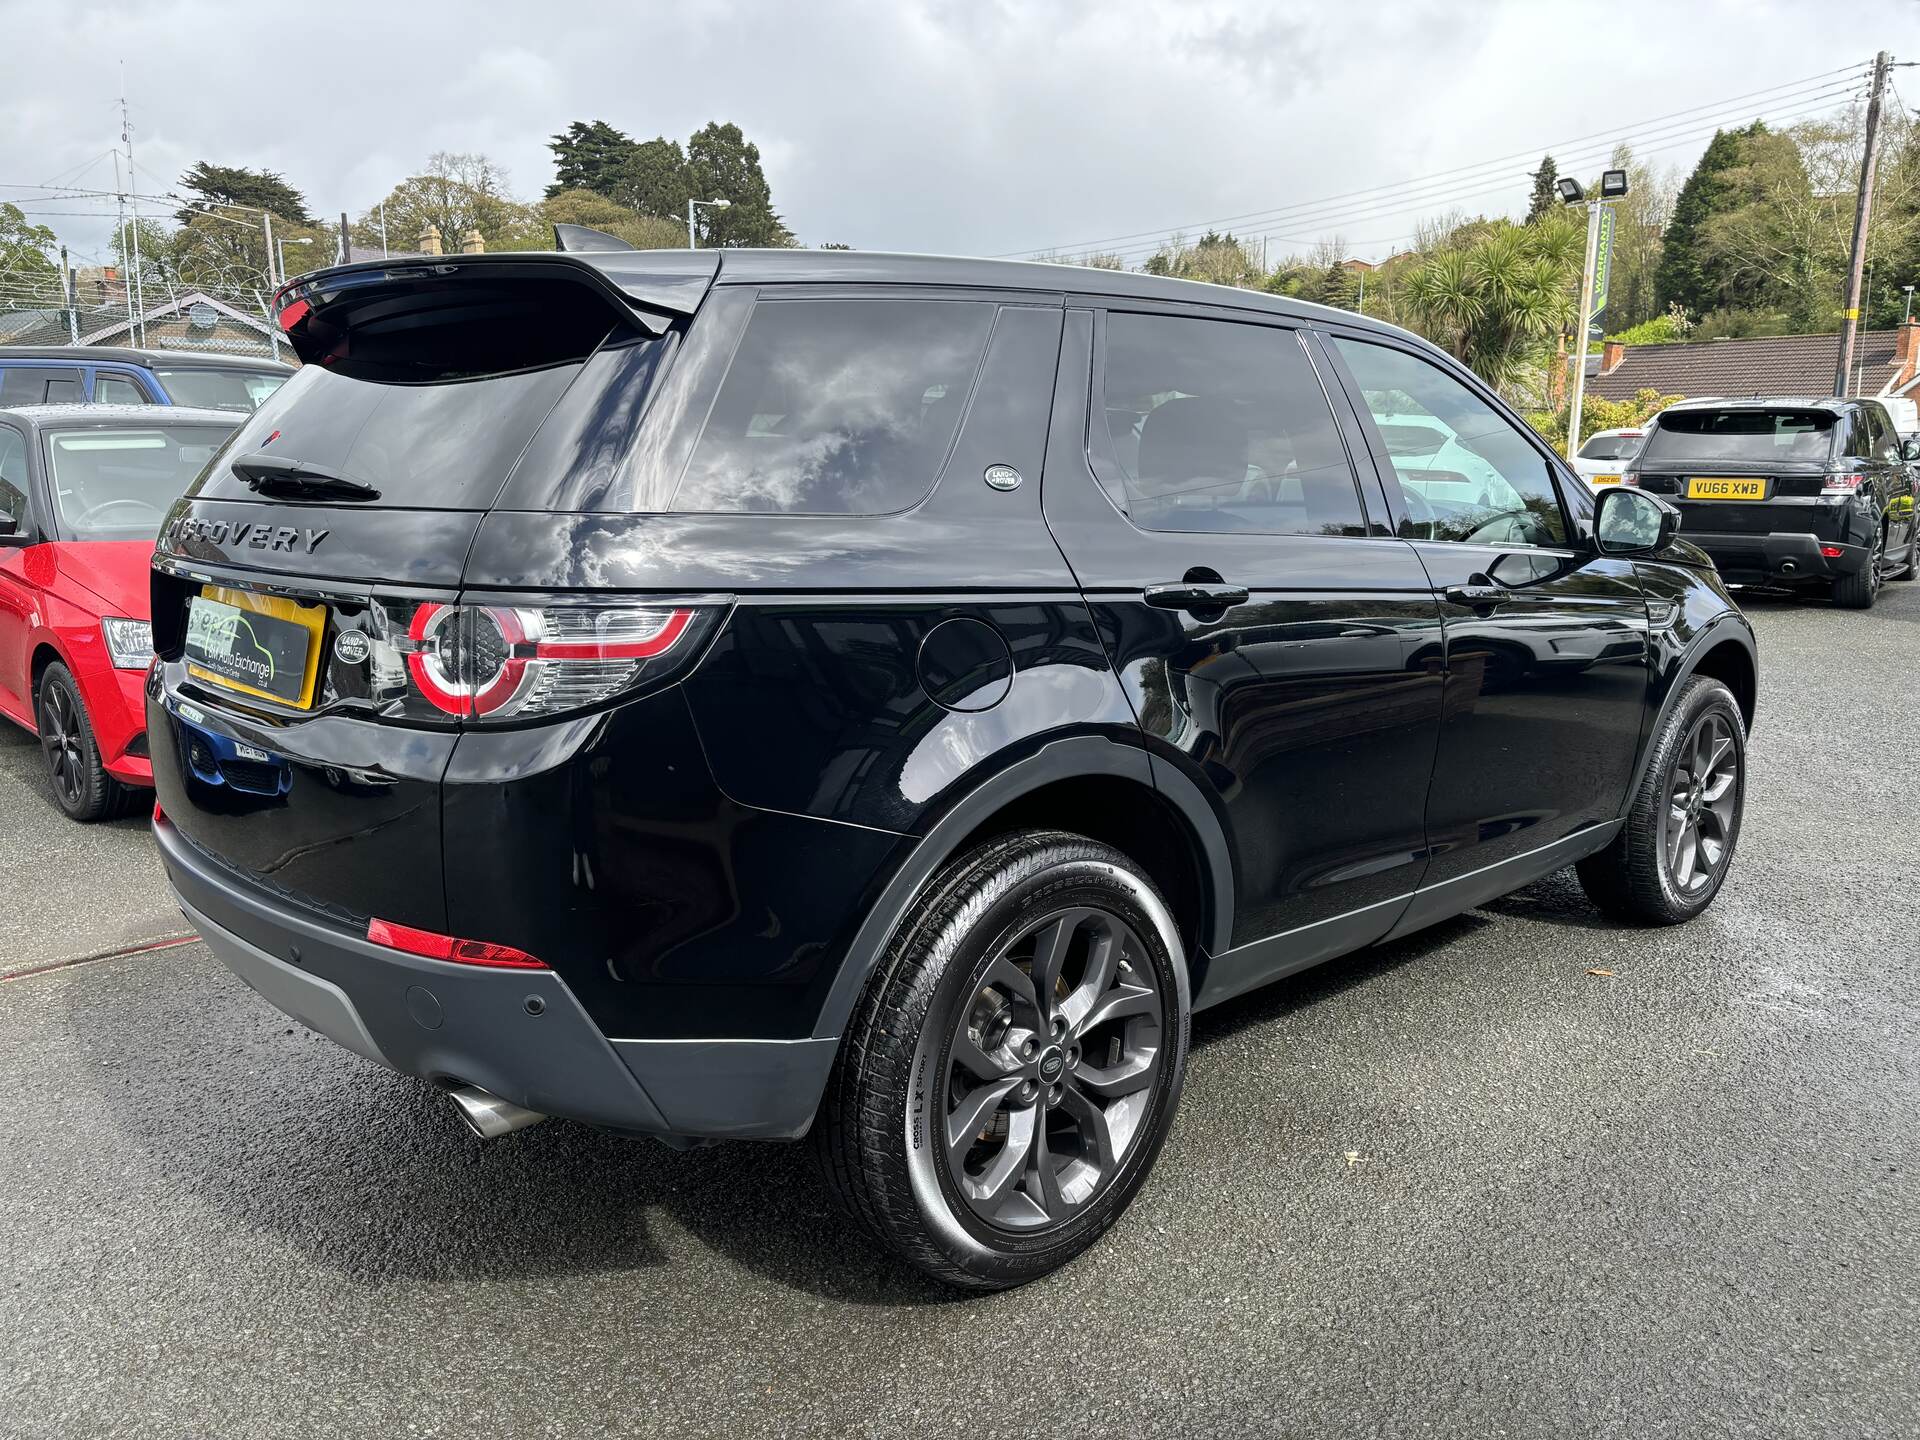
<point>1749,436</point>
<point>116,484</point>
<point>440,446</point>
<point>1886,446</point>
<point>843,407</point>
<point>39,385</point>
<point>1484,482</point>
<point>1217,426</point>
<point>116,390</point>
<point>13,475</point>
<point>1610,447</point>
<point>220,389</point>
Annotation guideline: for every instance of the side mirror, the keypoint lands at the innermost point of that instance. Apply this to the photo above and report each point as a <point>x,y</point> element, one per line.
<point>1910,448</point>
<point>9,528</point>
<point>1631,522</point>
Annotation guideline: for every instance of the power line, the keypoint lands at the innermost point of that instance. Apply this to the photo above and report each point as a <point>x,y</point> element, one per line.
<point>1787,90</point>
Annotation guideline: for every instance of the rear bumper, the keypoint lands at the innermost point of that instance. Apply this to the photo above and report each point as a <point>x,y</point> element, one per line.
<point>520,1034</point>
<point>1779,557</point>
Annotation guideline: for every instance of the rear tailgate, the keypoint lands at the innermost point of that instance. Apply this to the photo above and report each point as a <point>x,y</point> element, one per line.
<point>291,743</point>
<point>1744,470</point>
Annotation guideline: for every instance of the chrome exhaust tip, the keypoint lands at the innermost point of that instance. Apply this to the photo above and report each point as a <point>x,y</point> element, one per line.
<point>487,1115</point>
<point>1787,567</point>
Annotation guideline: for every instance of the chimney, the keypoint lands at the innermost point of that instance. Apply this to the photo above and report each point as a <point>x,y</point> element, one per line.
<point>1612,352</point>
<point>1906,352</point>
<point>473,243</point>
<point>430,239</point>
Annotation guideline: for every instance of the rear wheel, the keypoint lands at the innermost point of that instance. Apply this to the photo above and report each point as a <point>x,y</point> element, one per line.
<point>1673,852</point>
<point>1013,1069</point>
<point>81,785</point>
<point>1856,591</point>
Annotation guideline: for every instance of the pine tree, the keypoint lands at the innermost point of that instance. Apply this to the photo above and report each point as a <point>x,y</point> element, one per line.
<point>1686,275</point>
<point>1545,196</point>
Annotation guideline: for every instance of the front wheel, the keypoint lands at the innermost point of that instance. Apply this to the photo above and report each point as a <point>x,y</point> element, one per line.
<point>1015,1064</point>
<point>81,785</point>
<point>1673,852</point>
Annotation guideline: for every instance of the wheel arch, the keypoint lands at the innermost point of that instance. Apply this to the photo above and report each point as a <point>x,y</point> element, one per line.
<point>1723,649</point>
<point>1094,786</point>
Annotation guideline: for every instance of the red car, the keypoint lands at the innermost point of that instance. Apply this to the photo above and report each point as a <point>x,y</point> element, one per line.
<point>83,489</point>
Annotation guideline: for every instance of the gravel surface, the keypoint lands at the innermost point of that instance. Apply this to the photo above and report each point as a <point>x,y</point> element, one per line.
<point>1459,1187</point>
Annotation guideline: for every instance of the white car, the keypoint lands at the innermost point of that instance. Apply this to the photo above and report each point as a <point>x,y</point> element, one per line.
<point>1607,455</point>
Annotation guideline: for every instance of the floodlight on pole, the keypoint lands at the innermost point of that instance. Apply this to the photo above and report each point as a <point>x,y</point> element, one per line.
<point>693,205</point>
<point>1613,186</point>
<point>282,246</point>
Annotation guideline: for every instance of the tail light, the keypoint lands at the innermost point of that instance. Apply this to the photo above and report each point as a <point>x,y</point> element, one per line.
<point>517,662</point>
<point>1841,483</point>
<point>435,946</point>
<point>1632,477</point>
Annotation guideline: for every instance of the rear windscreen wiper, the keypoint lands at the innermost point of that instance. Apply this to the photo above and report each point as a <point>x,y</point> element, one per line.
<point>276,474</point>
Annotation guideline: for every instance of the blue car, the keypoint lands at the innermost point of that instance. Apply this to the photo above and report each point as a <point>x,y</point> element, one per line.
<point>113,375</point>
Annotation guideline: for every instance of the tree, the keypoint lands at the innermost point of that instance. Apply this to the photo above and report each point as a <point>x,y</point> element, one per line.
<point>457,192</point>
<point>584,207</point>
<point>723,165</point>
<point>587,155</point>
<point>1638,222</point>
<point>1498,302</point>
<point>653,180</point>
<point>1545,198</point>
<point>26,251</point>
<point>254,189</point>
<point>1685,277</point>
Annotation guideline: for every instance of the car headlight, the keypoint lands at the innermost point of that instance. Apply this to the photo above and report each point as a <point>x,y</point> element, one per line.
<point>129,642</point>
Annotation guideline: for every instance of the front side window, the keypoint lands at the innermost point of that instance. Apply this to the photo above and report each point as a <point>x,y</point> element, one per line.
<point>1474,477</point>
<point>837,407</point>
<point>220,389</point>
<point>1218,426</point>
<point>117,484</point>
<point>13,476</point>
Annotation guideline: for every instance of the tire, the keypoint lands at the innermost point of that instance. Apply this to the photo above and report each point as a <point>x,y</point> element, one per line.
<point>1647,875</point>
<point>1857,591</point>
<point>949,1041</point>
<point>81,785</point>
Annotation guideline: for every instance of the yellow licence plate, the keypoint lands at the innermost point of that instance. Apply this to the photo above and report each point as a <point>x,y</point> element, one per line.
<point>1726,487</point>
<point>1606,479</point>
<point>264,645</point>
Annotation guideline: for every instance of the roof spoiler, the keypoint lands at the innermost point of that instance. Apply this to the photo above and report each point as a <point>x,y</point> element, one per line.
<point>579,239</point>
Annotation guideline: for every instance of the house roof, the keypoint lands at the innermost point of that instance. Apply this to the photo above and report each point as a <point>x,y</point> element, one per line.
<point>1763,365</point>
<point>178,306</point>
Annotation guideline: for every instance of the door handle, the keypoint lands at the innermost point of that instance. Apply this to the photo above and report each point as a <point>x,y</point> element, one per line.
<point>1478,596</point>
<point>1193,596</point>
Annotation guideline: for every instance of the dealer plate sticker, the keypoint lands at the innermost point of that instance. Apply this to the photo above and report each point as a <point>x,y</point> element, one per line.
<point>247,649</point>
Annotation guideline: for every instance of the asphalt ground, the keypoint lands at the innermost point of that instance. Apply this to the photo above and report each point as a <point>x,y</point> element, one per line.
<point>1462,1186</point>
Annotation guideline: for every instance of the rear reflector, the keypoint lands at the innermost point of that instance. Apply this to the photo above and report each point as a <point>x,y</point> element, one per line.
<point>1832,552</point>
<point>447,947</point>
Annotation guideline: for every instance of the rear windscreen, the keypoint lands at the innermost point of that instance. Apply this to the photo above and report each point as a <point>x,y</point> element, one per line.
<point>1756,437</point>
<point>1610,447</point>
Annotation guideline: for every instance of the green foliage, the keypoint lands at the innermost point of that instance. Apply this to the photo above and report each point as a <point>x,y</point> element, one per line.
<point>1687,275</point>
<point>1545,198</point>
<point>1216,259</point>
<point>723,165</point>
<point>457,192</point>
<point>654,180</point>
<point>1597,414</point>
<point>254,189</point>
<point>26,250</point>
<point>1499,301</point>
<point>588,155</point>
<point>597,212</point>
<point>1660,330</point>
<point>1744,324</point>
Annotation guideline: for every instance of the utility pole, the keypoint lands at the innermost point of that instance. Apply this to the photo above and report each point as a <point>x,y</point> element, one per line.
<point>1862,210</point>
<point>346,246</point>
<point>139,285</point>
<point>73,312</point>
<point>1580,332</point>
<point>266,224</point>
<point>120,237</point>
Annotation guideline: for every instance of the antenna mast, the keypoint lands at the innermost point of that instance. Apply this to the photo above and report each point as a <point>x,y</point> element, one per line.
<point>137,291</point>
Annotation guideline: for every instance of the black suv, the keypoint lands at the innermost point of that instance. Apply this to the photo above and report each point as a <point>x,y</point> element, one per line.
<point>1790,493</point>
<point>749,694</point>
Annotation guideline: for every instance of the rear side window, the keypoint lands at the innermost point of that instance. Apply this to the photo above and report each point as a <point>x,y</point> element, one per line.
<point>1217,426</point>
<point>39,385</point>
<point>1757,437</point>
<point>116,390</point>
<point>837,407</point>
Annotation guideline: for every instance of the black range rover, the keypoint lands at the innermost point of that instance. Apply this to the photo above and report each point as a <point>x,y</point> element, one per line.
<point>879,699</point>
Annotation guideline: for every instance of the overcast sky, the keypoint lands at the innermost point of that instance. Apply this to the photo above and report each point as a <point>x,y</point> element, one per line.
<point>976,127</point>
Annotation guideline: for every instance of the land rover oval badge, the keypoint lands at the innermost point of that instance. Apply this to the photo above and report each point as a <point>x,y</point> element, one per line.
<point>1002,477</point>
<point>351,647</point>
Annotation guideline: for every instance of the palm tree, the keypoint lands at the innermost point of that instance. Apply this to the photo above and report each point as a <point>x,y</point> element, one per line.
<point>1498,299</point>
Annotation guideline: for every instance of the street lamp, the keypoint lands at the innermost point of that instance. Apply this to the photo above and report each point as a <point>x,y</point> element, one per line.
<point>693,205</point>
<point>283,254</point>
<point>1613,186</point>
<point>1909,315</point>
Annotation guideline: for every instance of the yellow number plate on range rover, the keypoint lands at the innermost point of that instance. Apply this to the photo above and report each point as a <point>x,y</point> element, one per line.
<point>262,645</point>
<point>1726,487</point>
